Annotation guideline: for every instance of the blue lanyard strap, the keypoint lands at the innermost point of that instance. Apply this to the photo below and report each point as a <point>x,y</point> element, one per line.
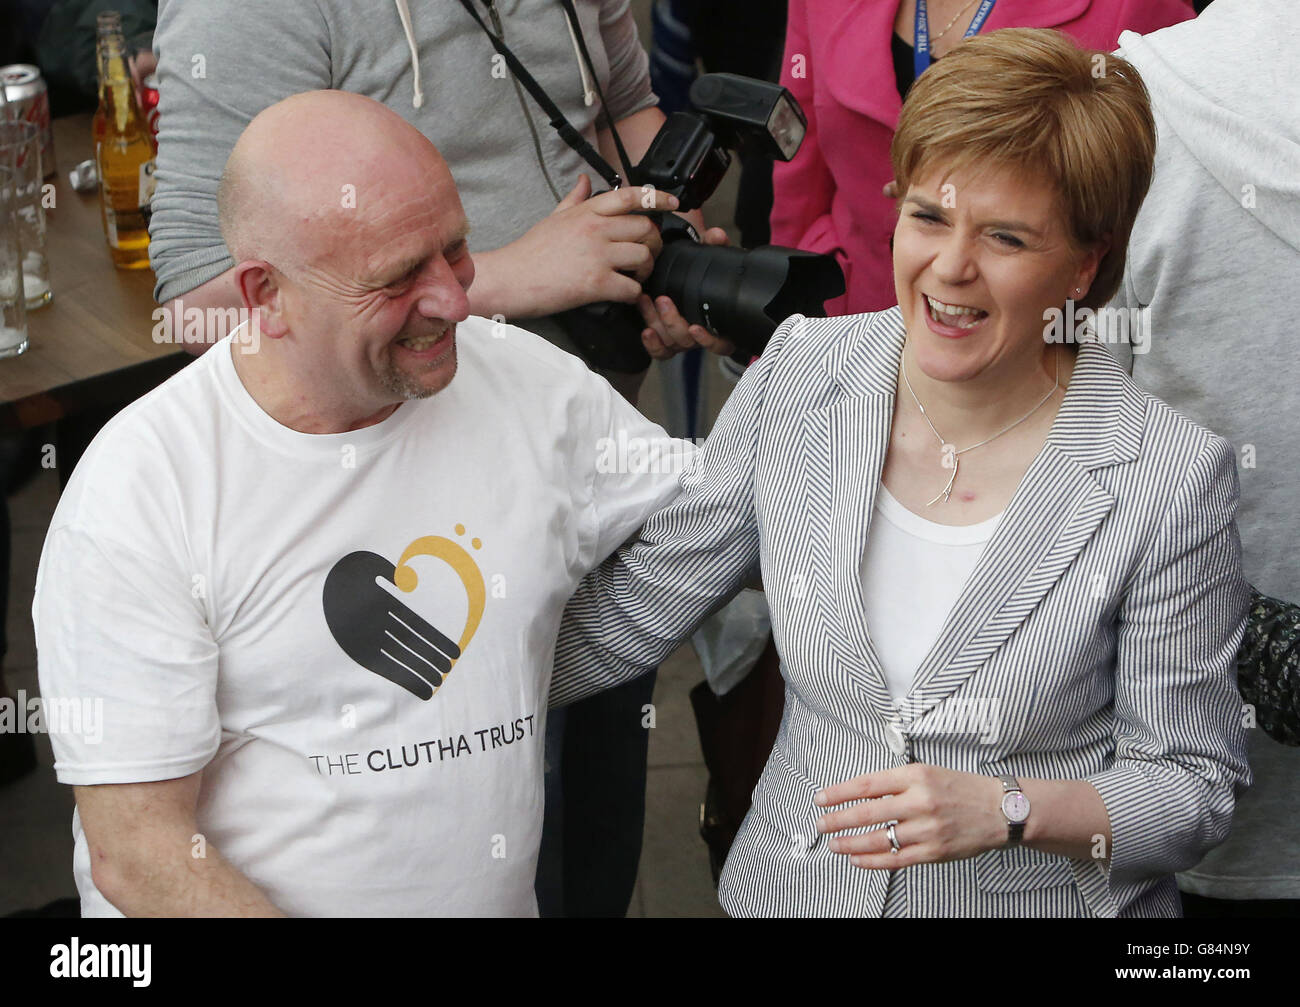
<point>921,56</point>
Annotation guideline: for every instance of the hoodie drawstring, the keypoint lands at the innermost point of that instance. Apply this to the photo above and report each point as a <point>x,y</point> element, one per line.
<point>588,90</point>
<point>417,98</point>
<point>404,12</point>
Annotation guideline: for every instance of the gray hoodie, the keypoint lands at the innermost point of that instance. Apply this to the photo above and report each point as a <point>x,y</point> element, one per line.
<point>1215,257</point>
<point>223,61</point>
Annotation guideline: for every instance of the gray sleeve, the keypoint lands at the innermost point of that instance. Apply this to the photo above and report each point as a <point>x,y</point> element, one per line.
<point>220,63</point>
<point>628,90</point>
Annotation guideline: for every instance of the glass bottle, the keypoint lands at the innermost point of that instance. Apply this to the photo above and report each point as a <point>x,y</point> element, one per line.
<point>126,165</point>
<point>108,23</point>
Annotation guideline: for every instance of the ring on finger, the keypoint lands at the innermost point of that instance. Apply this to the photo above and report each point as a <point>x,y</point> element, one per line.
<point>893,839</point>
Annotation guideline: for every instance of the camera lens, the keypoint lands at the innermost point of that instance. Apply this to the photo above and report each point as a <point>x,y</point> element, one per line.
<point>743,295</point>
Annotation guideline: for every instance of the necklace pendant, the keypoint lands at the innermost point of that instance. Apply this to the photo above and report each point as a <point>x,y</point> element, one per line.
<point>947,490</point>
<point>948,455</point>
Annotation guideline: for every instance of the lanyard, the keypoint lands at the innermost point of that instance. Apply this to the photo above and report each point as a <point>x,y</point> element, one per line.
<point>921,57</point>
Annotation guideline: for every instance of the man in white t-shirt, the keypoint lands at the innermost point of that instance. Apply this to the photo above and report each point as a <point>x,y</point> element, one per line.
<point>315,602</point>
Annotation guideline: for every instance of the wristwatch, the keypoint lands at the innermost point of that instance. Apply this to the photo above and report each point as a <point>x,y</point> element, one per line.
<point>1015,808</point>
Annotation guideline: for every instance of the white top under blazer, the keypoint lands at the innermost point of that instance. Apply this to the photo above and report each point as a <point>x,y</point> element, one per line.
<point>912,575</point>
<point>1103,618</point>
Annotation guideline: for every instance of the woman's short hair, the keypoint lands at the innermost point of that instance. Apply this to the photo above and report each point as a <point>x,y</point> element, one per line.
<point>1030,100</point>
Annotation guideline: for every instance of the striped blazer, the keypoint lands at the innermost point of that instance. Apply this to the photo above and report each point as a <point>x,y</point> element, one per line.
<point>1098,629</point>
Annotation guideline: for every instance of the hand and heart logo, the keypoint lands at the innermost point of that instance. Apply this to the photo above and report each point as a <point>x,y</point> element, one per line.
<point>385,636</point>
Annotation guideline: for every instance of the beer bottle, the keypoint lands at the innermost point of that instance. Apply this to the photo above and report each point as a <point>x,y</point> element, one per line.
<point>108,23</point>
<point>125,159</point>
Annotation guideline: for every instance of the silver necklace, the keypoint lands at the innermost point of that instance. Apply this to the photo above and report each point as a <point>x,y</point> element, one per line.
<point>948,452</point>
<point>935,38</point>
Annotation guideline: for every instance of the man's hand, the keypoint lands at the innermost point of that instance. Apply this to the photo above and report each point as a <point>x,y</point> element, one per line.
<point>587,249</point>
<point>140,65</point>
<point>667,333</point>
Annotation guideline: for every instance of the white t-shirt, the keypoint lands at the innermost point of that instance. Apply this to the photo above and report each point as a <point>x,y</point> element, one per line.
<point>913,571</point>
<point>218,581</point>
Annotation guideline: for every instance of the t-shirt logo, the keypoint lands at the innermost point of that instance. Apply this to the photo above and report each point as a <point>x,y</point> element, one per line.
<point>384,635</point>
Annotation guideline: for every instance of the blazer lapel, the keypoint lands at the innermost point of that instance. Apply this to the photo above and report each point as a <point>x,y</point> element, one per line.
<point>859,62</point>
<point>844,452</point>
<point>1054,513</point>
<point>1035,14</point>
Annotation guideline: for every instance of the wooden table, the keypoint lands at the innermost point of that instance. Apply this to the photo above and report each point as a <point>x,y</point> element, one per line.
<point>92,345</point>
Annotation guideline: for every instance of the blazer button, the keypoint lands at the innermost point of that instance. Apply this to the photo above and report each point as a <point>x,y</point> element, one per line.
<point>895,740</point>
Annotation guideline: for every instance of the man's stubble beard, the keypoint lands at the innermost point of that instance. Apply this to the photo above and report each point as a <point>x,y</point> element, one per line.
<point>408,386</point>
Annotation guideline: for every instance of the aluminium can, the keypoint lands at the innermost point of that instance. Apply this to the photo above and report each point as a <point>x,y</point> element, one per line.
<point>27,98</point>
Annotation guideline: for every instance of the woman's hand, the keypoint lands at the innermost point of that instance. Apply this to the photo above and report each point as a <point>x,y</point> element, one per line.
<point>942,815</point>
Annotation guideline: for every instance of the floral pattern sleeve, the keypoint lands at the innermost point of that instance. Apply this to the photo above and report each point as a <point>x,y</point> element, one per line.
<point>1268,666</point>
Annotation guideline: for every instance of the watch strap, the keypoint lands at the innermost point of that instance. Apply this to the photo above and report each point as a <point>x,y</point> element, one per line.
<point>1015,830</point>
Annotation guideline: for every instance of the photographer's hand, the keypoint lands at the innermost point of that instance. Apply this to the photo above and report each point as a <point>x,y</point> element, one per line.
<point>667,333</point>
<point>586,250</point>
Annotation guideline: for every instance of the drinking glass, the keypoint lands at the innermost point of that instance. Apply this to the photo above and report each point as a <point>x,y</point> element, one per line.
<point>13,307</point>
<point>20,146</point>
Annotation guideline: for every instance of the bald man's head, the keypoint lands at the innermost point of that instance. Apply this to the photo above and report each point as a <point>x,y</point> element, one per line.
<point>302,170</point>
<point>349,240</point>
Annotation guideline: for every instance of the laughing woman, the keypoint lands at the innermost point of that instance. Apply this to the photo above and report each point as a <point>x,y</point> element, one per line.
<point>1005,583</point>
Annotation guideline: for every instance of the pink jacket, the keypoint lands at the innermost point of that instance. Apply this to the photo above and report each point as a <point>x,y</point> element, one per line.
<point>828,198</point>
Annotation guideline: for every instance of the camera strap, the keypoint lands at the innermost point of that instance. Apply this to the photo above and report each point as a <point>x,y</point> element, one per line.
<point>556,117</point>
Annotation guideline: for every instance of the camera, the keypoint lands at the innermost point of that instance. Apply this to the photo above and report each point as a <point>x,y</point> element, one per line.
<point>742,295</point>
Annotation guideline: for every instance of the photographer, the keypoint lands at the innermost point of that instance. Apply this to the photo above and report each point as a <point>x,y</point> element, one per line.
<point>540,244</point>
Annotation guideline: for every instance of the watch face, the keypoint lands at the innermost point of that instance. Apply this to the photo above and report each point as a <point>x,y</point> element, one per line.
<point>1015,807</point>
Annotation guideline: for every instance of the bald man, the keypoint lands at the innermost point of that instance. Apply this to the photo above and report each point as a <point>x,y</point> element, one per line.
<point>314,580</point>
